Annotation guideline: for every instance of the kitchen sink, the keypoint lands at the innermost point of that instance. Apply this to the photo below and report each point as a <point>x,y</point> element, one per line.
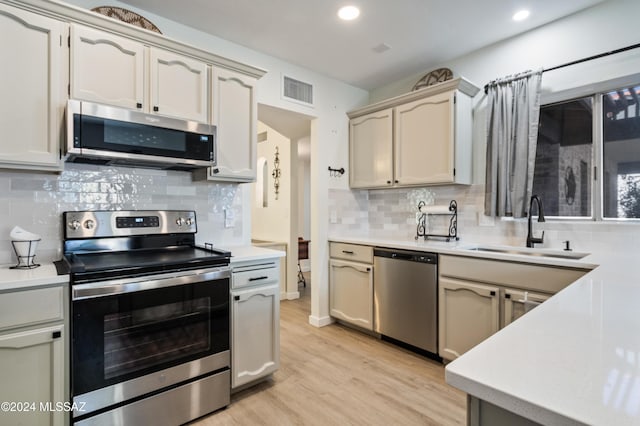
<point>557,254</point>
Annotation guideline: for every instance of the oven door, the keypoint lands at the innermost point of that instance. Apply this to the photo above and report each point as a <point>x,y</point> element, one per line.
<point>132,337</point>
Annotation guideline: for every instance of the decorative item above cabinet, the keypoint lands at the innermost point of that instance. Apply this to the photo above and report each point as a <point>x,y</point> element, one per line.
<point>420,138</point>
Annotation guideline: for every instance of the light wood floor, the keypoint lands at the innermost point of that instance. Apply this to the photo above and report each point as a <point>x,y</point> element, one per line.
<point>337,376</point>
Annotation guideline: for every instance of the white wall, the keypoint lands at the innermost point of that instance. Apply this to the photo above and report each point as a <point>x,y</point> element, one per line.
<point>593,31</point>
<point>278,222</point>
<point>304,202</point>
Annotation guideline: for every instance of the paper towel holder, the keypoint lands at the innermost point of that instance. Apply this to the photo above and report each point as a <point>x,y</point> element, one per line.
<point>25,261</point>
<point>453,223</point>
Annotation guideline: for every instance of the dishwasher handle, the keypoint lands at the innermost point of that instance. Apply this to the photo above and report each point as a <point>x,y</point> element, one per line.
<point>411,256</point>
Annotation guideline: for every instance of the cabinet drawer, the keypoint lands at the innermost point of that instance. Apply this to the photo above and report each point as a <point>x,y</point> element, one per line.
<point>254,277</point>
<point>23,308</point>
<point>352,252</point>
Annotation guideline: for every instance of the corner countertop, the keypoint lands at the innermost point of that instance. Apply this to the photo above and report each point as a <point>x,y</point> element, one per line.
<point>252,253</point>
<point>573,360</point>
<point>23,279</point>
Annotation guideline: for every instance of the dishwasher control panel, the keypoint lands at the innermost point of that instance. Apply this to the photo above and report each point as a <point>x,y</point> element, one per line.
<point>411,256</point>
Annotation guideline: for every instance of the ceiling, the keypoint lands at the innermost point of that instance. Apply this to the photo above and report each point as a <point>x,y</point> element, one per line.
<point>421,33</point>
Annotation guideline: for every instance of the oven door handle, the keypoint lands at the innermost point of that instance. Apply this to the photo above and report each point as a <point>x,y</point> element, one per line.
<point>147,282</point>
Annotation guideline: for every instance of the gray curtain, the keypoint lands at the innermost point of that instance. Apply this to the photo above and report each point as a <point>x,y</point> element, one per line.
<point>513,110</point>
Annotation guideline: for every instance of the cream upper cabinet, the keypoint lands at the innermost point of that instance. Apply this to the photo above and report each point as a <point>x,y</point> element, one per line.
<point>424,135</point>
<point>114,70</point>
<point>421,138</point>
<point>234,111</point>
<point>32,89</point>
<point>371,150</point>
<point>178,86</point>
<point>107,69</point>
<point>468,314</point>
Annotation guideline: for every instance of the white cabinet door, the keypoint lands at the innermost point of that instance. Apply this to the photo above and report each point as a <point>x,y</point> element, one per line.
<point>351,292</point>
<point>371,150</point>
<point>32,89</point>
<point>468,314</point>
<point>178,86</point>
<point>516,303</point>
<point>32,371</point>
<point>255,333</point>
<point>107,69</point>
<point>234,113</point>
<point>424,140</point>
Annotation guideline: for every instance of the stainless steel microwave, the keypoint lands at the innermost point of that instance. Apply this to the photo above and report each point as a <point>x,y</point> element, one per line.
<point>101,134</point>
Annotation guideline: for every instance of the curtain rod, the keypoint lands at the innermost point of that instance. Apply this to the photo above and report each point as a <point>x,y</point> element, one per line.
<point>579,61</point>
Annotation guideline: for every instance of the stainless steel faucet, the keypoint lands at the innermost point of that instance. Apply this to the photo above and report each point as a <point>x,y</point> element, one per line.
<point>531,240</point>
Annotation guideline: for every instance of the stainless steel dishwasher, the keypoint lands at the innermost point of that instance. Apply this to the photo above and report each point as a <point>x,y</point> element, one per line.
<point>406,297</point>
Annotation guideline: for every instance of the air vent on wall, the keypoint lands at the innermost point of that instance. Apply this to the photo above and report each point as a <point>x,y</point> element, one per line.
<point>298,91</point>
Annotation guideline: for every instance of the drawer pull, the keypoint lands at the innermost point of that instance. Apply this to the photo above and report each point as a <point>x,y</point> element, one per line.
<point>258,278</point>
<point>56,334</point>
<point>236,297</point>
<point>347,252</point>
<point>493,293</point>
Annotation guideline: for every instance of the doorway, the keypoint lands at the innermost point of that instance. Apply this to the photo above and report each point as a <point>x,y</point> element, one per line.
<point>280,212</point>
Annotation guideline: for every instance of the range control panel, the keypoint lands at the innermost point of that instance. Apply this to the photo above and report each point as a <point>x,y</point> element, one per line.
<point>125,223</point>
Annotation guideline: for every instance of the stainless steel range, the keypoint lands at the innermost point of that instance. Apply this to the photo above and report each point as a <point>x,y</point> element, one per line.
<point>150,318</point>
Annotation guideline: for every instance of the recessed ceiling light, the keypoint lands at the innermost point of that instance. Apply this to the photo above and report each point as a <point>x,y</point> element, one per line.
<point>521,15</point>
<point>348,13</point>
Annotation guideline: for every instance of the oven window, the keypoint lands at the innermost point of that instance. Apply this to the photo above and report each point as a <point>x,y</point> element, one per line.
<point>151,336</point>
<point>126,336</point>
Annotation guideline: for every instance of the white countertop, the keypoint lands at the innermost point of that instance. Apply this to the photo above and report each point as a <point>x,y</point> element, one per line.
<point>575,359</point>
<point>252,253</point>
<point>22,279</point>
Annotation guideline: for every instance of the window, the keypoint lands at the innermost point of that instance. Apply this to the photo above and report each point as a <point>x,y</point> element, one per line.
<point>621,153</point>
<point>562,176</point>
<point>571,150</point>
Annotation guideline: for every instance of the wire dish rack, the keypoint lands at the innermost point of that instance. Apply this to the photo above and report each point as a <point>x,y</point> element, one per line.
<point>25,261</point>
<point>452,210</point>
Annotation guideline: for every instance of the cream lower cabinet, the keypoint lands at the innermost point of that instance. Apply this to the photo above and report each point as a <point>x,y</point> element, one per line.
<point>33,365</point>
<point>114,70</point>
<point>516,303</point>
<point>478,296</point>
<point>234,112</point>
<point>351,292</point>
<point>255,322</point>
<point>351,284</point>
<point>32,88</point>
<point>468,314</point>
<point>32,369</point>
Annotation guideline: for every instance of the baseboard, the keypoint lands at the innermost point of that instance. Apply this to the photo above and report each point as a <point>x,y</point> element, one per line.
<point>320,321</point>
<point>292,295</point>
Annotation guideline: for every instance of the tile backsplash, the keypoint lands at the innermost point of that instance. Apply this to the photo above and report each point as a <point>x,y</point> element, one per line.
<point>391,213</point>
<point>36,201</point>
